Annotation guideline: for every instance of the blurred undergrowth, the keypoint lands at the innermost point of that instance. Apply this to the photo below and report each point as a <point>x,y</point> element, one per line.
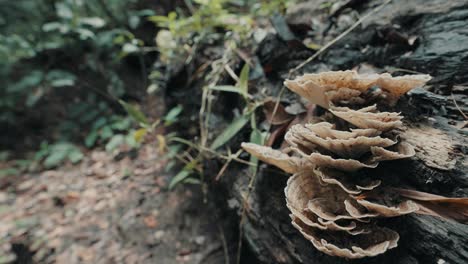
<point>62,71</point>
<point>77,53</point>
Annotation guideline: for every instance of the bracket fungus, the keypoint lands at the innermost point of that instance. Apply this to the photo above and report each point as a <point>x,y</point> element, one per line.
<point>332,203</point>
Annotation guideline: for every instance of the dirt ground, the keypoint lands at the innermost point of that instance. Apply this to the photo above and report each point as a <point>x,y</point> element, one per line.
<point>105,210</point>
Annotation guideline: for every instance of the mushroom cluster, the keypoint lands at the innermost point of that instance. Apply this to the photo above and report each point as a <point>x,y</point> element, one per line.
<point>333,202</point>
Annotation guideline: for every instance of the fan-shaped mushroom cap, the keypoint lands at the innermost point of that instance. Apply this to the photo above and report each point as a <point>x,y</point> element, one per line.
<point>348,246</point>
<point>363,118</point>
<point>402,151</point>
<point>397,86</point>
<point>327,130</point>
<point>320,160</point>
<point>405,207</point>
<point>358,211</point>
<point>344,96</point>
<point>349,183</point>
<point>303,187</point>
<point>347,148</point>
<point>309,90</point>
<point>314,87</point>
<point>274,157</point>
<point>326,88</point>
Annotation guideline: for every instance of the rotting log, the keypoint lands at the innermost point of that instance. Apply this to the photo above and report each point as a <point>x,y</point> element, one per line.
<point>422,36</point>
<point>435,127</point>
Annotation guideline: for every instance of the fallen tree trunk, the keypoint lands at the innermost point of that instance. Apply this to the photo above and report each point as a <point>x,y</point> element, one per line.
<point>434,117</point>
<point>421,36</point>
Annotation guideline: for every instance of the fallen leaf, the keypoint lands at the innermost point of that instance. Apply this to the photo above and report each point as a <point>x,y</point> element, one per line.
<point>150,221</point>
<point>280,116</point>
<point>436,205</point>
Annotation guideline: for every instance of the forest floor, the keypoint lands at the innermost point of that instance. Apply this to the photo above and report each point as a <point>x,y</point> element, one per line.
<point>107,210</point>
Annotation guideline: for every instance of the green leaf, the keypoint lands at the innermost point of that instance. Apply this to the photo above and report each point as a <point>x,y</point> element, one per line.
<point>158,19</point>
<point>139,134</point>
<point>226,88</point>
<point>63,10</point>
<point>171,116</point>
<point>98,123</point>
<point>169,165</point>
<point>62,82</point>
<point>244,80</point>
<point>106,132</point>
<point>95,22</point>
<point>60,75</point>
<point>114,142</point>
<point>192,181</point>
<point>135,113</point>
<point>91,138</point>
<point>34,96</point>
<point>129,139</point>
<point>122,124</point>
<point>230,131</point>
<point>75,155</point>
<point>130,48</point>
<point>55,158</point>
<point>88,116</point>
<point>59,78</point>
<point>255,137</point>
<point>52,26</point>
<point>9,172</point>
<point>85,33</point>
<point>182,175</point>
<point>32,79</point>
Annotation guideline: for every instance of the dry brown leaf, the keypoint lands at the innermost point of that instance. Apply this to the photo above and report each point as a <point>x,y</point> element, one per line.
<point>448,208</point>
<point>150,221</point>
<point>280,115</point>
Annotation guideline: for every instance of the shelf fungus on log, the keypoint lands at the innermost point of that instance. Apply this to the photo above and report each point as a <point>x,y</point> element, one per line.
<point>369,118</point>
<point>332,203</point>
<point>329,88</point>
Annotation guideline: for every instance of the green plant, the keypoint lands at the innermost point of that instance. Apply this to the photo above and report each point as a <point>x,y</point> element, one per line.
<point>229,24</point>
<point>52,155</point>
<point>77,40</point>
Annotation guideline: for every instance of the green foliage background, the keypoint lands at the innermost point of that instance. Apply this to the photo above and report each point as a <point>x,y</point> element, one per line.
<point>68,66</point>
<point>61,64</point>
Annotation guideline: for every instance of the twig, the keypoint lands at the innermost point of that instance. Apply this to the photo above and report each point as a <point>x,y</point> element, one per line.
<point>223,169</point>
<point>243,215</point>
<point>458,107</point>
<point>346,32</point>
<point>231,72</point>
<point>205,149</point>
<point>225,245</point>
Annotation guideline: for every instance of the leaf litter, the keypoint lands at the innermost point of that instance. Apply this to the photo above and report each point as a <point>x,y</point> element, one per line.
<point>105,210</point>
